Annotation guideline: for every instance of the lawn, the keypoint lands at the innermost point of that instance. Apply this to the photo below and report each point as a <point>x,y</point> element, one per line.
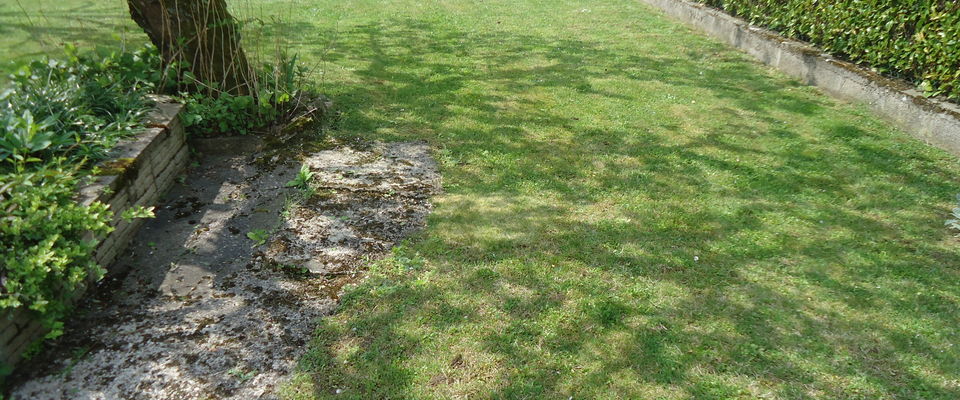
<point>631,210</point>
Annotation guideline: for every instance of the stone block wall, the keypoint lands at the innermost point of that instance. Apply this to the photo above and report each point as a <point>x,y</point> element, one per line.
<point>138,173</point>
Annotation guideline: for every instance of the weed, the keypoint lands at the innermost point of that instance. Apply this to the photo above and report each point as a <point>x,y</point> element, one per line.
<point>137,212</point>
<point>258,236</point>
<point>78,355</point>
<point>954,223</point>
<point>302,180</point>
<point>241,375</point>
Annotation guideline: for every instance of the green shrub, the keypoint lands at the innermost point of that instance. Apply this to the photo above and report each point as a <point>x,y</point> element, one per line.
<point>43,253</point>
<point>224,114</point>
<point>917,40</point>
<point>23,137</point>
<point>276,86</point>
<point>57,118</point>
<point>76,108</point>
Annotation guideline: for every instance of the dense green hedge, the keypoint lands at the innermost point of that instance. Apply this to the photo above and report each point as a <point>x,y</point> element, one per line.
<point>43,254</point>
<point>917,40</point>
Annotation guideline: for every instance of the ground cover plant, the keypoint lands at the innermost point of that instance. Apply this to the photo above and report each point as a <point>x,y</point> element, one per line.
<point>46,256</point>
<point>61,116</point>
<point>75,107</point>
<point>632,210</point>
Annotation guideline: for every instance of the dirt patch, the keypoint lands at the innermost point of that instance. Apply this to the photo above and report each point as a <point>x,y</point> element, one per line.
<point>198,311</point>
<point>365,202</point>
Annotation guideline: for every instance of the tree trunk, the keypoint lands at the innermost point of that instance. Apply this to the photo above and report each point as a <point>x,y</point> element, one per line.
<point>199,37</point>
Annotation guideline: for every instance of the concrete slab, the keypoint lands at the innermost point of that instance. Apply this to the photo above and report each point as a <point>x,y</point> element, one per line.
<point>197,311</point>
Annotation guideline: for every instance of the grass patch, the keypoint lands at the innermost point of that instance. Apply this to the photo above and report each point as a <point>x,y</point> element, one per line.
<point>632,210</point>
<point>30,29</point>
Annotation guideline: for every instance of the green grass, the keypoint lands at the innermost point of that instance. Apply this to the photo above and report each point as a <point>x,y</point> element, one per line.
<point>632,210</point>
<point>32,28</point>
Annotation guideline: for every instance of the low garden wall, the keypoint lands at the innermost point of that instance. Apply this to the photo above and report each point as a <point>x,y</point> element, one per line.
<point>139,172</point>
<point>933,121</point>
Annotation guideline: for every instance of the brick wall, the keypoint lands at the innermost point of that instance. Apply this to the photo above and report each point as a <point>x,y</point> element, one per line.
<point>140,171</point>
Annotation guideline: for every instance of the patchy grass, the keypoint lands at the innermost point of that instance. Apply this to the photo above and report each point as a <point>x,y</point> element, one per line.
<point>632,210</point>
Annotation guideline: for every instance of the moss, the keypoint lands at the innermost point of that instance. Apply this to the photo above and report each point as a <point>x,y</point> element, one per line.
<point>115,167</point>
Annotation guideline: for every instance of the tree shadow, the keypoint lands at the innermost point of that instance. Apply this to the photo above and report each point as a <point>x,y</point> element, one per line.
<point>745,250</point>
<point>152,325</point>
<point>807,237</point>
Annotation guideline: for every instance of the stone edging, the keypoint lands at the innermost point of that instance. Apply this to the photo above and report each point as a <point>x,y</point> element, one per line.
<point>139,172</point>
<point>933,121</point>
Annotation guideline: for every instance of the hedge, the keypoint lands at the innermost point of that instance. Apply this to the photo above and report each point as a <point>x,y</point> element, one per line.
<point>916,40</point>
<point>45,256</point>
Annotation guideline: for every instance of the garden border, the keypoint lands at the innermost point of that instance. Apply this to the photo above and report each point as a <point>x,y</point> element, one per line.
<point>140,170</point>
<point>932,121</point>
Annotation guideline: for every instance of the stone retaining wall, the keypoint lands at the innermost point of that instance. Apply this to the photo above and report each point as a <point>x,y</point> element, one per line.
<point>935,122</point>
<point>140,171</point>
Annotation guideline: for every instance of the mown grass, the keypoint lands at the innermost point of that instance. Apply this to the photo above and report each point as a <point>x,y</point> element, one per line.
<point>632,210</point>
<point>34,28</point>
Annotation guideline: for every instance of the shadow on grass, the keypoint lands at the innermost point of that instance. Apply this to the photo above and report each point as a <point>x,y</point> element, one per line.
<point>42,29</point>
<point>819,267</point>
<point>783,264</point>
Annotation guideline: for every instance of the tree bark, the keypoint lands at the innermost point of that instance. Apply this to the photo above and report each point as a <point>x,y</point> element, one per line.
<point>199,37</point>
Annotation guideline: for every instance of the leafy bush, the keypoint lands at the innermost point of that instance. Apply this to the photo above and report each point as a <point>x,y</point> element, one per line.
<point>226,113</point>
<point>43,254</point>
<point>23,137</point>
<point>223,113</point>
<point>917,40</point>
<point>58,117</point>
<point>76,108</point>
